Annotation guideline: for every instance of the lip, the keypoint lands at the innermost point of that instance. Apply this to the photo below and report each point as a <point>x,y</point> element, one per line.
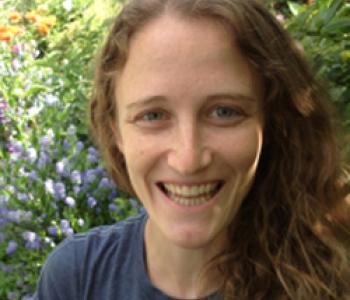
<point>191,209</point>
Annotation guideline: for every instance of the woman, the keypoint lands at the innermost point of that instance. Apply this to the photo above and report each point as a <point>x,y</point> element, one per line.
<point>207,112</point>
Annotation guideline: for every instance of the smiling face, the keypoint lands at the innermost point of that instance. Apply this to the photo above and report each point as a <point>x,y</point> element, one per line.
<point>190,127</point>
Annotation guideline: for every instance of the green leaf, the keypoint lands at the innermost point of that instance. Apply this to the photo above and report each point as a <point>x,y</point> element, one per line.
<point>332,10</point>
<point>339,26</point>
<point>34,89</point>
<point>295,8</point>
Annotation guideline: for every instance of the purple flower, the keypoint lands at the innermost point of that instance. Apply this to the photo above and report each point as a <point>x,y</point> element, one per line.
<point>62,167</point>
<point>31,155</point>
<point>16,149</point>
<point>93,151</point>
<point>69,201</point>
<point>52,230</point>
<point>33,245</point>
<point>76,177</point>
<point>65,224</point>
<point>11,247</point>
<point>79,147</point>
<point>112,207</point>
<point>68,232</point>
<point>92,158</point>
<point>112,195</point>
<point>49,186</point>
<point>89,176</point>
<point>29,236</point>
<point>43,160</point>
<point>60,190</point>
<point>76,190</point>
<point>32,240</point>
<point>93,155</point>
<point>47,140</point>
<point>105,183</point>
<point>18,216</point>
<point>66,145</point>
<point>92,202</point>
<point>51,100</point>
<point>12,295</point>
<point>17,49</point>
<point>22,197</point>
<point>66,229</point>
<point>33,175</point>
<point>28,297</point>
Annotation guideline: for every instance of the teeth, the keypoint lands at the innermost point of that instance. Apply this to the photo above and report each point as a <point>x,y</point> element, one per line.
<point>192,191</point>
<point>190,202</point>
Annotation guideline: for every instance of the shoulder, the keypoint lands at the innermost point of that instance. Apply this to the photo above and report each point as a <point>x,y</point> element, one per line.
<point>99,241</point>
<point>71,263</point>
<point>108,234</point>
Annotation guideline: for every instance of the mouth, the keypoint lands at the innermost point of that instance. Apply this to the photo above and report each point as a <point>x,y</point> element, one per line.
<point>191,195</point>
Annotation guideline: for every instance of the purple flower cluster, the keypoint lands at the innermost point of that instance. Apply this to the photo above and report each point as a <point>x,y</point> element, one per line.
<point>32,240</point>
<point>66,228</point>
<point>53,184</point>
<point>11,247</point>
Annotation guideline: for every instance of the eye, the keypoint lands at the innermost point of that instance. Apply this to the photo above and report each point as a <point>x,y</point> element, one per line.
<point>225,112</point>
<point>152,116</point>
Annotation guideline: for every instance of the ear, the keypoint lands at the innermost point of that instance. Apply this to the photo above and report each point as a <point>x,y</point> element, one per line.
<point>116,135</point>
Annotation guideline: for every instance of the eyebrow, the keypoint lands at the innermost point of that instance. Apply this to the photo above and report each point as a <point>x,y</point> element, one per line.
<point>160,98</point>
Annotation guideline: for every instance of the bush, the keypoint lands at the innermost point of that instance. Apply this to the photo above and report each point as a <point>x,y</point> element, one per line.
<point>323,29</point>
<point>52,182</point>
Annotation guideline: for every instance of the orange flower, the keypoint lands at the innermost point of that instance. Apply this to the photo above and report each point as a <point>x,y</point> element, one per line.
<point>31,16</point>
<point>15,16</point>
<point>3,28</point>
<point>5,36</point>
<point>43,28</point>
<point>7,33</point>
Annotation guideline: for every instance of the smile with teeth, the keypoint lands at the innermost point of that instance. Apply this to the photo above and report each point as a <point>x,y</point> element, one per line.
<point>190,195</point>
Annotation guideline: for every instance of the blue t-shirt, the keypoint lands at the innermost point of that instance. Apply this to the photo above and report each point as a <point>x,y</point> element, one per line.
<point>104,263</point>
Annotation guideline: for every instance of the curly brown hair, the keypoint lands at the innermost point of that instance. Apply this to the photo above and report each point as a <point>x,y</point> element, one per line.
<point>285,244</point>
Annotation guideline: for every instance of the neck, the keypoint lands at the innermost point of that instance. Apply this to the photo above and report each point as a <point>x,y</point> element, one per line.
<point>176,270</point>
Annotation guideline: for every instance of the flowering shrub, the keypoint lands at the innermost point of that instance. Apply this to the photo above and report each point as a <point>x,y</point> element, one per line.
<point>52,182</point>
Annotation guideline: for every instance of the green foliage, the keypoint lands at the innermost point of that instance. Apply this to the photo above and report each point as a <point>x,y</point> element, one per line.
<point>52,181</point>
<point>323,28</point>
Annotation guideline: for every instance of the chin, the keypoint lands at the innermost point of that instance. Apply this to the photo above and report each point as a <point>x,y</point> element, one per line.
<point>192,238</point>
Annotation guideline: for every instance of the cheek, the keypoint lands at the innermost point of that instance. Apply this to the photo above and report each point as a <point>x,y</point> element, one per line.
<point>242,150</point>
<point>140,155</point>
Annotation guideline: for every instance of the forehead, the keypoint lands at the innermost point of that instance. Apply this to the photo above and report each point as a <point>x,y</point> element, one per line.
<point>171,37</point>
<point>185,56</point>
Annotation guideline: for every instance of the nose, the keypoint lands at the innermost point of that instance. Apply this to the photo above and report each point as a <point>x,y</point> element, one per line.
<point>189,151</point>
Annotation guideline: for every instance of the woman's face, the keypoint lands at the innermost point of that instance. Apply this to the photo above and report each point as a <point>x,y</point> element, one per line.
<point>190,127</point>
